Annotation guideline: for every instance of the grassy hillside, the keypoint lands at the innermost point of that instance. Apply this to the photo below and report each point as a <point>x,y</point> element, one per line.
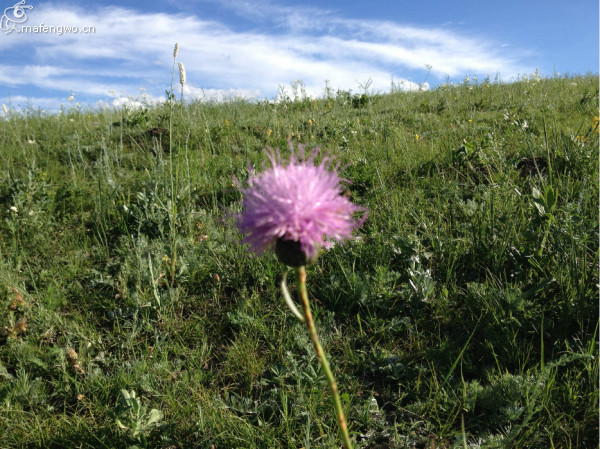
<point>464,315</point>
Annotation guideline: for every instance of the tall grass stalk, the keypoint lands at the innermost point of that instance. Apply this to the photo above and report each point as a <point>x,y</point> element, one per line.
<point>173,172</point>
<point>312,331</point>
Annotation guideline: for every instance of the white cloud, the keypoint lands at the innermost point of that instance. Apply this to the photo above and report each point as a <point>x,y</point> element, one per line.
<point>199,93</point>
<point>130,49</point>
<point>43,104</point>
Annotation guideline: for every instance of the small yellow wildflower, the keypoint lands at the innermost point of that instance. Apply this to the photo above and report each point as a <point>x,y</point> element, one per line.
<point>417,137</point>
<point>269,132</point>
<point>226,123</point>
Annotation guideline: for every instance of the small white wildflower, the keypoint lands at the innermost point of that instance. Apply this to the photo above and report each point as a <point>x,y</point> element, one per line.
<point>30,141</point>
<point>14,209</point>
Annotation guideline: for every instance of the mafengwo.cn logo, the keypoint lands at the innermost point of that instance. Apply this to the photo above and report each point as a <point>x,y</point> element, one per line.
<point>14,16</point>
<point>13,21</point>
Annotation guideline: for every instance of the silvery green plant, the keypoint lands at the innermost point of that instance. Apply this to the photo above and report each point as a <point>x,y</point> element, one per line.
<point>133,418</point>
<point>420,279</point>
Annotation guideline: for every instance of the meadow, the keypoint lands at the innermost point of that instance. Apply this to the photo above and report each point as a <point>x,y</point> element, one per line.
<point>463,315</point>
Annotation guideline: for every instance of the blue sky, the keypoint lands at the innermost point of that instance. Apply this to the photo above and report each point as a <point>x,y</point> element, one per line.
<point>252,48</point>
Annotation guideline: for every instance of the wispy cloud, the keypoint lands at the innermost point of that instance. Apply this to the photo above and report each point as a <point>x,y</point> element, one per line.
<point>131,49</point>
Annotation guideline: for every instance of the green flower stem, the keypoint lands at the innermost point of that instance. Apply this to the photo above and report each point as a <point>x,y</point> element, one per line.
<point>308,318</point>
<point>288,299</point>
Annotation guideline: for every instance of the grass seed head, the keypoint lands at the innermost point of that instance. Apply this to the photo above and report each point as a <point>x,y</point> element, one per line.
<point>181,74</point>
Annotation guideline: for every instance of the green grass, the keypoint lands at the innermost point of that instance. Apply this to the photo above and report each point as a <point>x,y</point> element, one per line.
<point>466,314</point>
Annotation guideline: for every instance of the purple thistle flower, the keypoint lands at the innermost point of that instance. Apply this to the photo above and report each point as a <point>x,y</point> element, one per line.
<point>299,202</point>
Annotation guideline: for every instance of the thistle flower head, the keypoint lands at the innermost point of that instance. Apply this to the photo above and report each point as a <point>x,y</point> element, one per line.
<point>298,205</point>
<point>181,74</point>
